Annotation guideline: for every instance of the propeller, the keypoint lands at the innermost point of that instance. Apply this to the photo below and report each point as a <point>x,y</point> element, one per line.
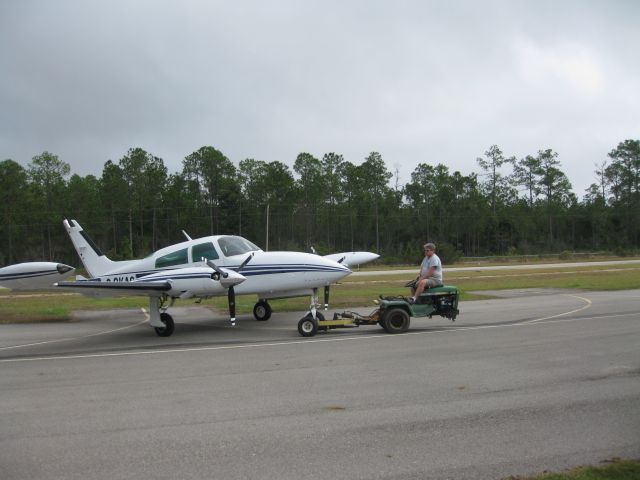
<point>221,273</point>
<point>246,260</point>
<point>231,293</point>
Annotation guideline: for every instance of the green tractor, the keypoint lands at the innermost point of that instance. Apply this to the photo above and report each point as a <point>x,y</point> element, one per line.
<point>393,313</point>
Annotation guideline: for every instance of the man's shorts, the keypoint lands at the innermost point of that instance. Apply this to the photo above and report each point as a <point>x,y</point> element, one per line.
<point>432,282</point>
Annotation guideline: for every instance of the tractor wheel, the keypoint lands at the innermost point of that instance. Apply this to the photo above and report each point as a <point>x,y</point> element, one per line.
<point>396,320</point>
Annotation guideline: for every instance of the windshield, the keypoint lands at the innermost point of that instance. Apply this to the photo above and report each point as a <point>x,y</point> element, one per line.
<point>236,246</point>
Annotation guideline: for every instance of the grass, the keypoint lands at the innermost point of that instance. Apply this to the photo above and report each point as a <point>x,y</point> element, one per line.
<point>622,277</point>
<point>354,291</point>
<point>615,470</point>
<point>504,261</point>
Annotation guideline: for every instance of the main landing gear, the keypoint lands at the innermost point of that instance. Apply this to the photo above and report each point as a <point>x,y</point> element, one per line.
<point>168,328</point>
<point>161,322</point>
<point>262,310</point>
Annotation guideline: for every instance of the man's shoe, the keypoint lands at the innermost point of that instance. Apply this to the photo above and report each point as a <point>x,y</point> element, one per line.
<point>412,300</point>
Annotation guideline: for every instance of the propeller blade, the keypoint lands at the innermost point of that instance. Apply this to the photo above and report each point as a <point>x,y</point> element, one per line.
<point>231,296</point>
<point>326,297</point>
<point>246,260</point>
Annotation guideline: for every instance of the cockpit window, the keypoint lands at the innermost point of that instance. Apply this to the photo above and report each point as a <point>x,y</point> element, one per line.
<point>236,246</point>
<point>204,250</point>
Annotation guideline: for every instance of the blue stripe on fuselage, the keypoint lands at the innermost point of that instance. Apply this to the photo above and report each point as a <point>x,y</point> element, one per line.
<point>249,271</point>
<point>159,278</point>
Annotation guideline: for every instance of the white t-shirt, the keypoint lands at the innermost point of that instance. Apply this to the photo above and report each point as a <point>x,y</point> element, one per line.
<point>433,261</point>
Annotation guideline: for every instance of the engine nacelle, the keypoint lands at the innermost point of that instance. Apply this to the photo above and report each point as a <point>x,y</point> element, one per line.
<point>196,281</point>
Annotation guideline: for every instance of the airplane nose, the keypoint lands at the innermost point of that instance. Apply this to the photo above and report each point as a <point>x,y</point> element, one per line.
<point>234,278</point>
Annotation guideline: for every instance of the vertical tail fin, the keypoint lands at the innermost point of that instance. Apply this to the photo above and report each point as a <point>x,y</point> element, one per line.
<point>94,261</point>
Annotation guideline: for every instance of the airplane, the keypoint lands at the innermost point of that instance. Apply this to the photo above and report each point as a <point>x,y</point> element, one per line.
<point>206,267</point>
<point>353,259</point>
<point>34,275</point>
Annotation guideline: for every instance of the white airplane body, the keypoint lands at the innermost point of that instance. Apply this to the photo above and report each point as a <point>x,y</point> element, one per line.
<point>202,268</point>
<point>275,274</point>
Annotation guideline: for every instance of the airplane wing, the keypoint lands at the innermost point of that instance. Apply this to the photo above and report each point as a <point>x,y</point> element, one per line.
<point>116,289</point>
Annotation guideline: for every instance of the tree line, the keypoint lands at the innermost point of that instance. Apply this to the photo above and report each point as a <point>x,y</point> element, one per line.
<point>511,206</point>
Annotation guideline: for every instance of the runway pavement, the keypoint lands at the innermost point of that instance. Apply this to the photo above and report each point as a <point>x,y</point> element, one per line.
<point>541,380</point>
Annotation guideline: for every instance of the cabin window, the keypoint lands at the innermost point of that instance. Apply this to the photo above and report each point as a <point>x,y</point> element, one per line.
<point>179,257</point>
<point>204,250</point>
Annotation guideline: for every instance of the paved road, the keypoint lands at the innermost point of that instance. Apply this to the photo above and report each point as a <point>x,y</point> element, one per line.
<point>540,380</point>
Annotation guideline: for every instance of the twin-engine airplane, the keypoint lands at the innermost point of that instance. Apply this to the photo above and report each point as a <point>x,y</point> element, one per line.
<point>201,268</point>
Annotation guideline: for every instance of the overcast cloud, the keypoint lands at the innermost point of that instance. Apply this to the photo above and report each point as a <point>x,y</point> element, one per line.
<point>418,81</point>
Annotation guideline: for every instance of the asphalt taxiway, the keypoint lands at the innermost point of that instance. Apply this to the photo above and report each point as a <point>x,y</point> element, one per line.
<point>538,380</point>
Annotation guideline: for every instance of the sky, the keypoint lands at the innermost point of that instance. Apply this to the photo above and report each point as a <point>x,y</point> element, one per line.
<point>436,82</point>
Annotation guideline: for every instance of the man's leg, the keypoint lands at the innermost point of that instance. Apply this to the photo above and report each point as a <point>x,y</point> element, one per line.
<point>421,284</point>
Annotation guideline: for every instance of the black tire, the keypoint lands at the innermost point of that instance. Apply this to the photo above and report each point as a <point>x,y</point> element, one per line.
<point>396,320</point>
<point>262,311</point>
<point>319,315</point>
<point>307,326</point>
<point>383,324</point>
<point>168,328</point>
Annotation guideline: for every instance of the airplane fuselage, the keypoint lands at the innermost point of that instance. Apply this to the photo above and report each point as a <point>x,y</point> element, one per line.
<point>268,274</point>
<point>201,268</point>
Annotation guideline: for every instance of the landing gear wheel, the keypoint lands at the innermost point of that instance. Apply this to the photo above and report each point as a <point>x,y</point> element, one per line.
<point>395,320</point>
<point>262,311</point>
<point>168,328</point>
